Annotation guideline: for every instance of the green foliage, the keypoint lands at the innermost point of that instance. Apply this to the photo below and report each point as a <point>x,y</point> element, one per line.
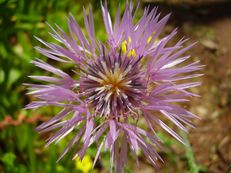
<point>191,162</point>
<point>8,159</point>
<point>229,169</point>
<point>22,150</point>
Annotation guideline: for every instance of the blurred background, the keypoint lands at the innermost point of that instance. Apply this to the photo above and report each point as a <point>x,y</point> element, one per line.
<point>22,149</point>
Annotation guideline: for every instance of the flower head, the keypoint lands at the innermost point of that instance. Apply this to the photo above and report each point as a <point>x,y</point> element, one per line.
<point>133,75</point>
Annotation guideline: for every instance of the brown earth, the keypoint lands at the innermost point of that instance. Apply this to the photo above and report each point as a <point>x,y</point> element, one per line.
<point>208,22</point>
<point>211,141</point>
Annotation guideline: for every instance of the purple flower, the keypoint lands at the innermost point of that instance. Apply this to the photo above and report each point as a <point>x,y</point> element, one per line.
<point>134,75</point>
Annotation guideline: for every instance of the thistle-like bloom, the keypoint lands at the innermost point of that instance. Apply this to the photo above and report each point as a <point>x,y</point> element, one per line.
<point>134,75</point>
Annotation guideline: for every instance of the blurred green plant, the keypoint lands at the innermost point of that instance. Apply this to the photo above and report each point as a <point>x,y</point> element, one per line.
<point>21,150</point>
<point>228,169</point>
<point>187,157</point>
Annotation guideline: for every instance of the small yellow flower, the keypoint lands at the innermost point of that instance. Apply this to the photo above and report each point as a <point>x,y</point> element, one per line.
<point>85,165</point>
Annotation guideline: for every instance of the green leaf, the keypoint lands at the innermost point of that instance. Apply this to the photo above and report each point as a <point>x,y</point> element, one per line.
<point>22,136</point>
<point>8,159</point>
<point>13,77</point>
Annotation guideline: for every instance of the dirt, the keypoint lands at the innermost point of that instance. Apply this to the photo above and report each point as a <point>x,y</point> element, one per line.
<point>211,140</point>
<point>209,23</point>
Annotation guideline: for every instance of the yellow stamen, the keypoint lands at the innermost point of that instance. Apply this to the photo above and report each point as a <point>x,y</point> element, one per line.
<point>132,53</point>
<point>124,46</point>
<point>156,40</point>
<point>149,39</point>
<point>129,39</point>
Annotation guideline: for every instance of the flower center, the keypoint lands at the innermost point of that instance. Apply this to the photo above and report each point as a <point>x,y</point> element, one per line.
<point>113,86</point>
<point>114,80</point>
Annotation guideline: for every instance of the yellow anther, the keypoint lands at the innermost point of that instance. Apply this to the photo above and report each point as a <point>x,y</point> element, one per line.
<point>124,46</point>
<point>132,53</point>
<point>129,39</point>
<point>149,39</point>
<point>156,40</point>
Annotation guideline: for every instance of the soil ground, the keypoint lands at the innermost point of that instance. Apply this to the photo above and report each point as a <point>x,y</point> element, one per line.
<point>209,23</point>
